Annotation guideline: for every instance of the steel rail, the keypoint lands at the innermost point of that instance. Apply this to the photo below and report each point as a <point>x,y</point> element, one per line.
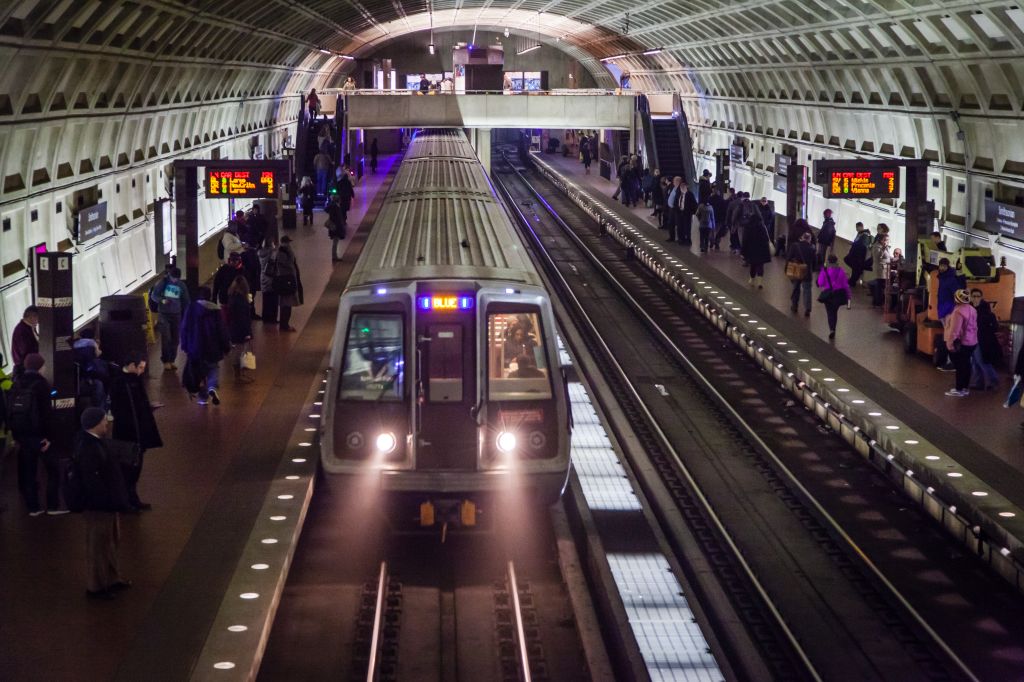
<point>751,434</point>
<point>666,443</point>
<point>519,629</point>
<point>376,639</point>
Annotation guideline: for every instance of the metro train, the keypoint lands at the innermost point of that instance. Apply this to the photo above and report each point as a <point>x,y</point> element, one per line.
<point>444,384</point>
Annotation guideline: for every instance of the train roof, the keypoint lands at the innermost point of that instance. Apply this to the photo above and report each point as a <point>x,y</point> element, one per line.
<point>442,220</point>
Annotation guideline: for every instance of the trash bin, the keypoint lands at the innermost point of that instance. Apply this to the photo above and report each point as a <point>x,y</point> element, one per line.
<point>122,327</point>
<point>288,216</point>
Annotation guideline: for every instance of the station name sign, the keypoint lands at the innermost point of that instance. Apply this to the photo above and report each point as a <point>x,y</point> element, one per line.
<point>855,179</point>
<point>92,222</point>
<point>241,183</point>
<point>1004,219</point>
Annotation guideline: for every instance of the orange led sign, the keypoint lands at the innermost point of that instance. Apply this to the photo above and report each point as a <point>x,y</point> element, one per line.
<point>862,183</point>
<point>242,184</point>
<point>445,302</point>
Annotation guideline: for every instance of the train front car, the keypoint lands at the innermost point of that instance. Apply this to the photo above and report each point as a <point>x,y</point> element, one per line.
<point>445,387</point>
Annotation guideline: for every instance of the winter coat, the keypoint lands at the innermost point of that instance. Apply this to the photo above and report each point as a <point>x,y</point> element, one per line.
<point>40,387</point>
<point>719,205</point>
<point>962,325</point>
<point>827,233</point>
<point>703,190</point>
<point>204,333</point>
<point>222,280</point>
<point>879,258</point>
<point>858,250</point>
<point>345,192</point>
<point>756,241</point>
<point>103,485</point>
<point>232,244</point>
<point>767,216</point>
<point>172,298</point>
<point>23,342</point>
<point>689,208</point>
<point>706,217</point>
<point>239,318</point>
<point>802,252</point>
<point>308,194</point>
<point>286,263</point>
<point>733,213</point>
<point>949,282</point>
<point>133,415</point>
<point>834,277</point>
<point>988,326</point>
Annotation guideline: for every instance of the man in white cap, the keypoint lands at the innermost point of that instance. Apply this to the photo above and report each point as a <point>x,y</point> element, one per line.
<point>104,495</point>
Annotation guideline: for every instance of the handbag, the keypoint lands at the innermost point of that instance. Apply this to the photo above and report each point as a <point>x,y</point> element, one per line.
<point>836,297</point>
<point>247,360</point>
<point>796,271</point>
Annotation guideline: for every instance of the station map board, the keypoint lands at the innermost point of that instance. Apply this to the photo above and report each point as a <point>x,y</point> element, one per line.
<point>222,183</point>
<point>857,179</point>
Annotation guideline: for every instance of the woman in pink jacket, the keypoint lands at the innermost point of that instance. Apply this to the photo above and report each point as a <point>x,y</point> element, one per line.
<point>960,332</point>
<point>835,291</point>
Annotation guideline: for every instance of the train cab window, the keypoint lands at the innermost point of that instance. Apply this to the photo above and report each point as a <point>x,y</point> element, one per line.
<point>373,368</point>
<point>516,363</point>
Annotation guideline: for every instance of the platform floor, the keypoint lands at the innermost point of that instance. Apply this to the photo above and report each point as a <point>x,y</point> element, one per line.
<point>984,437</point>
<point>206,485</point>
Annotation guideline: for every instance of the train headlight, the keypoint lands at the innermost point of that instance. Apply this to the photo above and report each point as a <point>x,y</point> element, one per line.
<point>506,441</point>
<point>386,443</point>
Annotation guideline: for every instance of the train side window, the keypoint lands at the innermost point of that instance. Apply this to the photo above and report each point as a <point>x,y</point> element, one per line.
<point>516,363</point>
<point>373,368</point>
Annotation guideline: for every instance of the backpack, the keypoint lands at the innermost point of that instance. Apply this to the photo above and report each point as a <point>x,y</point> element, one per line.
<point>23,413</point>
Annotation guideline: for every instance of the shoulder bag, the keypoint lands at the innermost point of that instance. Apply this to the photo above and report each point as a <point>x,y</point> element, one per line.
<point>836,297</point>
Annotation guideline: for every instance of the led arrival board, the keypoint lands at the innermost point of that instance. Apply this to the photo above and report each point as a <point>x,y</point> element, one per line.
<point>854,179</point>
<point>241,184</point>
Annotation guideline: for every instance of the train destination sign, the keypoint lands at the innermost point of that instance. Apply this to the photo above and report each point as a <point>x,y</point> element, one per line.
<point>857,179</point>
<point>241,183</point>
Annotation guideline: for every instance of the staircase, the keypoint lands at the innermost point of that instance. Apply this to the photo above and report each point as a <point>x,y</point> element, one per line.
<point>666,140</point>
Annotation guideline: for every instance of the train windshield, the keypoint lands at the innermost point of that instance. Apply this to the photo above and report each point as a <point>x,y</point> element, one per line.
<point>516,363</point>
<point>374,365</point>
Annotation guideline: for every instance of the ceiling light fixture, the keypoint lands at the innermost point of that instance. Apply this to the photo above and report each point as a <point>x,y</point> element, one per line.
<point>528,49</point>
<point>345,56</point>
<point>506,32</point>
<point>325,51</point>
<point>612,58</point>
<point>430,48</point>
<point>655,50</point>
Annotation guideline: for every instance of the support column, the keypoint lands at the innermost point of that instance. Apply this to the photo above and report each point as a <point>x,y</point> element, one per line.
<point>483,148</point>
<point>186,220</point>
<point>920,216</point>
<point>54,289</point>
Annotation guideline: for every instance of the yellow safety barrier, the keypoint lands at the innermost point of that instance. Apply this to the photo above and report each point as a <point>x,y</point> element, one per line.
<point>150,327</point>
<point>427,514</point>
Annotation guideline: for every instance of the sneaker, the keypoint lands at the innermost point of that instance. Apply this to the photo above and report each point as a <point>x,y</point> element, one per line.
<point>214,396</point>
<point>203,400</point>
<point>169,367</point>
<point>58,512</point>
<point>37,512</point>
<point>945,368</point>
<point>832,334</point>
<point>955,393</point>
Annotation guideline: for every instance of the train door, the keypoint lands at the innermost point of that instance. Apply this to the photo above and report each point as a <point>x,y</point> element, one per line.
<point>446,385</point>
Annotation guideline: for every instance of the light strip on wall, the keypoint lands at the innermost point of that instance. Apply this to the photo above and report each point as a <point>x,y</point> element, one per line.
<point>528,49</point>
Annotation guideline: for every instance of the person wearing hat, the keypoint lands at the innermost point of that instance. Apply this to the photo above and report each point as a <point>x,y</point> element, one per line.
<point>960,333</point>
<point>104,495</point>
<point>29,419</point>
<point>826,235</point>
<point>287,284</point>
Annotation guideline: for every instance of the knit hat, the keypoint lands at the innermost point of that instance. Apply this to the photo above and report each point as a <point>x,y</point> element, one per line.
<point>962,296</point>
<point>34,362</point>
<point>91,417</point>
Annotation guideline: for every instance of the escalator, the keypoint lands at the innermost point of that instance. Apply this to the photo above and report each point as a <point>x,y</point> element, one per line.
<point>667,141</point>
<point>669,149</point>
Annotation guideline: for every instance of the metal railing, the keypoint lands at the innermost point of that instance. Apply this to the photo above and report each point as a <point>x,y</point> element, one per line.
<point>376,638</point>
<point>555,91</point>
<point>518,627</point>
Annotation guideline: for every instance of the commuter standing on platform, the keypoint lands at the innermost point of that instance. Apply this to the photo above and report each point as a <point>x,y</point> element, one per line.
<point>988,351</point>
<point>585,156</point>
<point>29,417</point>
<point>672,203</point>
<point>25,338</point>
<point>766,213</point>
<point>733,219</point>
<point>239,322</point>
<point>350,85</point>
<point>256,230</point>
<point>224,276</point>
<point>757,246</point>
<point>270,308</point>
<point>960,333</point>
<point>835,291</point>
<point>826,235</point>
<point>337,217</point>
<point>704,187</point>
<point>657,196</point>
<point>880,256</point>
<point>719,205</point>
<point>425,84</point>
<point>322,163</point>
<point>684,228</point>
<point>308,193</point>
<point>230,242</point>
<point>172,299</point>
<point>706,225</point>
<point>801,252</point>
<point>620,171</point>
<point>374,153</point>
<point>104,496</point>
<point>134,421</point>
<point>205,340</point>
<point>858,254</point>
<point>290,295</point>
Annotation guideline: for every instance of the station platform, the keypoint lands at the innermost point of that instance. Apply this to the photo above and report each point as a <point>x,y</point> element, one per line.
<point>206,485</point>
<point>961,458</point>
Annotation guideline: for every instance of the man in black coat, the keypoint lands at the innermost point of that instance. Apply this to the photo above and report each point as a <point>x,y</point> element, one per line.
<point>29,413</point>
<point>133,421</point>
<point>826,235</point>
<point>225,275</point>
<point>104,495</point>
<point>689,208</point>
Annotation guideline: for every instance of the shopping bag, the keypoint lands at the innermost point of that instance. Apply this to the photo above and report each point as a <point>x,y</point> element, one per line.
<point>247,360</point>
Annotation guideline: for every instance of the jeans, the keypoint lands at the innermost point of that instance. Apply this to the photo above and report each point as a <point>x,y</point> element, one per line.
<point>705,238</point>
<point>984,373</point>
<point>962,362</point>
<point>803,286</point>
<point>170,332</point>
<point>29,454</point>
<point>832,312</point>
<point>321,181</point>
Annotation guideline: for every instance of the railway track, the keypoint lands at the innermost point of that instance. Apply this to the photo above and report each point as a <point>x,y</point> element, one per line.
<point>812,548</point>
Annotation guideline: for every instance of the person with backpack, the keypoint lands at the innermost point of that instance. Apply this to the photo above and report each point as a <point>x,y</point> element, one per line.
<point>29,416</point>
<point>103,495</point>
<point>205,340</point>
<point>286,282</point>
<point>134,421</point>
<point>170,295</point>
